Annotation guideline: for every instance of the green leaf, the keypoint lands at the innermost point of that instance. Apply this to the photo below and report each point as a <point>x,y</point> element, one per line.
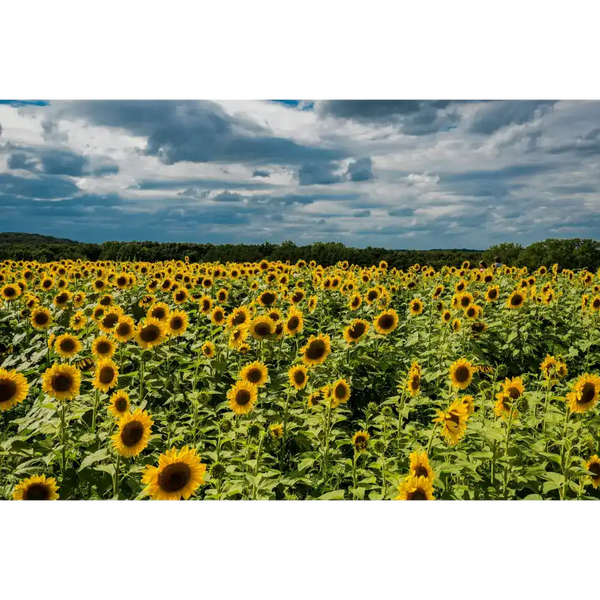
<point>335,495</point>
<point>94,458</point>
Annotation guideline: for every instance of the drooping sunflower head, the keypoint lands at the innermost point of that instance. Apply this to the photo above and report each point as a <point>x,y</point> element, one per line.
<point>178,475</point>
<point>276,430</point>
<point>593,466</point>
<point>413,383</point>
<point>461,373</point>
<point>150,333</point>
<point>454,421</point>
<point>61,382</point>
<point>415,488</point>
<point>41,319</point>
<point>134,433</point>
<point>67,345</point>
<point>505,406</point>
<point>419,465</point>
<point>13,389</point>
<point>103,347</point>
<point>316,350</point>
<point>255,373</point>
<point>478,327</point>
<point>298,376</point>
<point>360,441</point>
<point>106,375</point>
<point>242,397</point>
<point>340,392</point>
<point>208,349</point>
<point>386,322</point>
<point>38,487</point>
<point>119,403</point>
<point>312,304</point>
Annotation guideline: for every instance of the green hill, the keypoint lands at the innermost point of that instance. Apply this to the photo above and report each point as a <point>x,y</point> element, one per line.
<point>31,239</point>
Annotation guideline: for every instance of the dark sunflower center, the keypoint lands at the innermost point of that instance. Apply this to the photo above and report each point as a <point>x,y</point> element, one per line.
<point>595,469</point>
<point>516,300</point>
<point>176,323</point>
<point>41,318</point>
<point>124,329</point>
<point>372,295</point>
<point>340,391</point>
<point>242,397</point>
<point>158,313</point>
<point>103,348</point>
<point>10,292</point>
<point>262,329</point>
<point>465,301</point>
<point>180,296</point>
<point>150,333</point>
<point>37,491</point>
<point>415,382</point>
<point>107,374</point>
<point>470,311</point>
<point>62,298</point>
<point>121,404</point>
<point>454,418</point>
<point>360,441</point>
<point>67,345</point>
<point>254,375</point>
<point>121,281</point>
<point>132,433</point>
<point>218,316</point>
<point>514,392</point>
<point>316,349</point>
<point>268,298</point>
<point>62,383</point>
<point>417,495</point>
<point>386,322</point>
<point>299,377</point>
<point>206,306</point>
<point>8,390</point>
<point>110,320</point>
<point>492,294</point>
<point>297,297</point>
<point>421,471</point>
<point>174,477</point>
<point>462,374</point>
<point>357,330</point>
<point>293,323</point>
<point>588,393</point>
<point>239,318</point>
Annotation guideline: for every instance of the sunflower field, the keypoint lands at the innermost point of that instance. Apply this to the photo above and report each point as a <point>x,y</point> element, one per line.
<point>253,381</point>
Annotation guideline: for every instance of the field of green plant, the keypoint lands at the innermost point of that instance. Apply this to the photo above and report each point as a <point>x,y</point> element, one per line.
<point>208,381</point>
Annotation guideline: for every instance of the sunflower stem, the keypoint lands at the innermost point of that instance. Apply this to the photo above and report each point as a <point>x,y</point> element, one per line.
<point>431,439</point>
<point>116,479</point>
<point>95,411</point>
<point>63,441</point>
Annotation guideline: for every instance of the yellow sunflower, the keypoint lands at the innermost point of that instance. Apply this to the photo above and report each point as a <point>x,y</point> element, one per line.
<point>134,433</point>
<point>419,466</point>
<point>177,323</point>
<point>239,316</point>
<point>593,465</point>
<point>262,328</point>
<point>461,373</point>
<point>150,333</point>
<point>516,299</point>
<point>386,321</point>
<point>276,430</point>
<point>106,375</point>
<point>318,396</point>
<point>13,389</point>
<point>416,307</point>
<point>415,488</point>
<point>255,373</point>
<point>217,316</point>
<point>413,383</point>
<point>41,318</point>
<point>505,406</point>
<point>67,345</point>
<point>584,395</point>
<point>242,397</point>
<point>61,382</point>
<point>514,387</point>
<point>294,323</point>
<point>10,292</point>
<point>454,421</point>
<point>340,392</point>
<point>316,350</point>
<point>77,321</point>
<point>180,295</point>
<point>103,347</point>
<point>208,349</point>
<point>38,487</point>
<point>119,403</point>
<point>178,475</point>
<point>312,304</point>
<point>159,311</point>
<point>356,331</point>
<point>237,337</point>
<point>298,376</point>
<point>360,441</point>
<point>206,304</point>
<point>125,329</point>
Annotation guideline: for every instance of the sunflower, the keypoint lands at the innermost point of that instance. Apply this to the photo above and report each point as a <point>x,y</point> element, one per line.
<point>67,345</point>
<point>469,403</point>
<point>180,295</point>
<point>461,373</point>
<point>552,368</point>
<point>593,465</point>
<point>372,295</point>
<point>316,350</point>
<point>239,316</point>
<point>294,323</point>
<point>10,292</point>
<point>504,406</point>
<point>267,298</point>
<point>415,488</point>
<point>13,389</point>
<point>159,311</point>
<point>177,323</point>
<point>585,393</point>
<point>386,321</point>
<point>360,441</point>
<point>61,382</point>
<point>413,383</point>
<point>106,375</point>
<point>98,313</point>
<point>38,487</point>
<point>478,327</point>
<point>237,337</point>
<point>416,307</point>
<point>242,397</point>
<point>109,320</point>
<point>217,316</point>
<point>103,347</point>
<point>419,466</point>
<point>340,392</point>
<point>356,331</point>
<point>298,376</point>
<point>276,430</point>
<point>77,321</point>
<point>41,319</point>
<point>208,349</point>
<point>516,299</point>
<point>119,403</point>
<point>312,304</point>
<point>446,316</point>
<point>125,329</point>
<point>513,387</point>
<point>255,373</point>
<point>262,327</point>
<point>178,475</point>
<point>134,433</point>
<point>355,301</point>
<point>150,333</point>
<point>318,396</point>
<point>454,421</point>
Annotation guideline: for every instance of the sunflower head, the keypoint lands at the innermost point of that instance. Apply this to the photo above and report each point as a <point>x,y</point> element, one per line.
<point>134,433</point>
<point>125,329</point>
<point>360,441</point>
<point>262,328</point>
<point>316,350</point>
<point>416,307</point>
<point>340,392</point>
<point>103,347</point>
<point>255,373</point>
<point>593,466</point>
<point>584,395</point>
<point>67,345</point>
<point>208,349</point>
<point>41,319</point>
<point>242,397</point>
<point>177,323</point>
<point>13,389</point>
<point>119,403</point>
<point>419,465</point>
<point>150,333</point>
<point>386,322</point>
<point>356,331</point>
<point>413,383</point>
<point>106,376</point>
<point>513,387</point>
<point>38,487</point>
<point>276,430</point>
<point>294,323</point>
<point>415,488</point>
<point>61,382</point>
<point>516,299</point>
<point>453,421</point>
<point>461,373</point>
<point>298,376</point>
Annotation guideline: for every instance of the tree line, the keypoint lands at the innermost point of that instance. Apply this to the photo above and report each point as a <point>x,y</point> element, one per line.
<point>568,253</point>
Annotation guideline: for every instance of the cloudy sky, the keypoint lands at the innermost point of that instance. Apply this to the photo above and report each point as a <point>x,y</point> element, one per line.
<point>398,174</point>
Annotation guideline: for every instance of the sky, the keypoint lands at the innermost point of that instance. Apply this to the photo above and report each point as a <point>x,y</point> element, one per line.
<point>387,173</point>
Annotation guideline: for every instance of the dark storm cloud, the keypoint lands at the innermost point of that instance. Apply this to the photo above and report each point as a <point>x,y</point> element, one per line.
<point>360,170</point>
<point>197,131</point>
<point>587,145</point>
<point>228,197</point>
<point>322,173</point>
<point>38,186</point>
<point>21,160</point>
<point>261,173</point>
<point>495,115</point>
